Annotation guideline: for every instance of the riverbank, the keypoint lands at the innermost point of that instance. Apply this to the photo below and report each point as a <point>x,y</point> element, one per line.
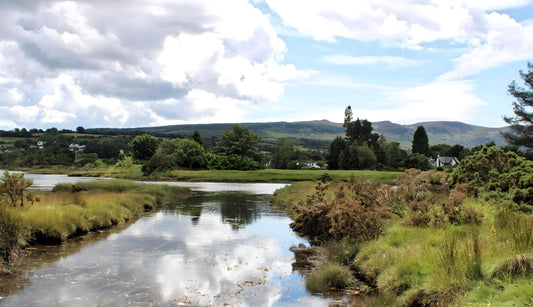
<point>133,172</point>
<point>72,210</point>
<point>442,249</point>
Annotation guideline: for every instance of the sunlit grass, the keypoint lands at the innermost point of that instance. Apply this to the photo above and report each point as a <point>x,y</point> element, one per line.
<point>74,209</point>
<point>57,217</point>
<point>456,265</point>
<point>276,175</point>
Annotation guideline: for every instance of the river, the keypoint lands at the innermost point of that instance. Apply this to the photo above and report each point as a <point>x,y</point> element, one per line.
<point>222,245</point>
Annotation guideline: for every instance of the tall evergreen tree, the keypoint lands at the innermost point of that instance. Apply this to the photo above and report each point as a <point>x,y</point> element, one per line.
<point>197,138</point>
<point>420,141</point>
<point>359,131</point>
<point>522,122</point>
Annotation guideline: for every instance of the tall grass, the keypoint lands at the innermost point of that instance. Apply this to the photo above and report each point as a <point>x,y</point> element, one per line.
<point>13,235</point>
<point>278,175</point>
<point>73,209</point>
<point>60,216</point>
<point>329,277</point>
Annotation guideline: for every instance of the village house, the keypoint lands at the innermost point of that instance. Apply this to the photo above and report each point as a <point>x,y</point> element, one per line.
<point>444,161</point>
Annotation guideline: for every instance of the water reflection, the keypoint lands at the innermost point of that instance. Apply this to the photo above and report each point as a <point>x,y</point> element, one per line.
<point>235,209</point>
<point>211,249</point>
<point>46,182</point>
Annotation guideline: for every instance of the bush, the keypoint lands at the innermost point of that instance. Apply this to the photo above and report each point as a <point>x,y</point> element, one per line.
<point>329,277</point>
<point>515,267</point>
<point>495,175</point>
<point>355,213</point>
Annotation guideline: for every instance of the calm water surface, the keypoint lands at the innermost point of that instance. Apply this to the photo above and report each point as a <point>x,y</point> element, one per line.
<point>222,245</point>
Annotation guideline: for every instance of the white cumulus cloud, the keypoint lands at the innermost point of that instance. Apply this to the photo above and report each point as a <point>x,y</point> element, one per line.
<point>120,63</point>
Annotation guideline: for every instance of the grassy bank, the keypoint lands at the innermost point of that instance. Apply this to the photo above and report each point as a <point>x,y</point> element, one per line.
<point>75,209</point>
<point>128,170</point>
<point>469,252</point>
<point>277,175</point>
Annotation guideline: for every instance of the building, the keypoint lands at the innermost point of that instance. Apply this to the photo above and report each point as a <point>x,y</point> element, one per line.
<point>445,161</point>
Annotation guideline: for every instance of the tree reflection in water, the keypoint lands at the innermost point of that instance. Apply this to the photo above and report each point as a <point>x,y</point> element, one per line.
<point>210,249</point>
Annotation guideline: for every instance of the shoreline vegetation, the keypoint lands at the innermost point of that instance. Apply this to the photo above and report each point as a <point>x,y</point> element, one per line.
<point>72,210</point>
<point>437,238</point>
<point>133,172</point>
<point>417,238</point>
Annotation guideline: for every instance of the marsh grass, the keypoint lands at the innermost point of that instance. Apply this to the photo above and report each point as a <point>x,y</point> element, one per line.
<point>58,217</point>
<point>515,267</point>
<point>13,235</point>
<point>278,175</point>
<point>329,277</point>
<point>73,209</point>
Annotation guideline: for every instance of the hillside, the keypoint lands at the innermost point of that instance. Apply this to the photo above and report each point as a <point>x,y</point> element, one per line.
<point>320,133</point>
<point>442,132</point>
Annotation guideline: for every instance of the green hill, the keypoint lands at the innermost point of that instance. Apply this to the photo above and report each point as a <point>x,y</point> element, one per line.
<point>318,134</point>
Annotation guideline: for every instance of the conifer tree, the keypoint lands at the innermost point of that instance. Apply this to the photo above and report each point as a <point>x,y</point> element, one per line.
<point>420,141</point>
<point>522,122</point>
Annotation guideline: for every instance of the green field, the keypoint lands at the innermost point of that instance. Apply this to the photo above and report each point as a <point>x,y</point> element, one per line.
<point>276,175</point>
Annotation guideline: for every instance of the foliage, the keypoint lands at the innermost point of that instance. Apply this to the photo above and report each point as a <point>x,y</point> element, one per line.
<point>498,175</point>
<point>517,226</point>
<point>240,146</point>
<point>328,278</point>
<point>359,131</point>
<point>420,141</point>
<point>363,149</point>
<point>432,202</point>
<point>521,123</point>
<point>13,235</point>
<point>283,153</point>
<point>393,154</point>
<point>418,161</point>
<point>197,138</point>
<point>13,189</point>
<point>356,212</point>
<point>514,267</point>
<point>189,154</point>
<point>143,147</point>
<point>86,159</point>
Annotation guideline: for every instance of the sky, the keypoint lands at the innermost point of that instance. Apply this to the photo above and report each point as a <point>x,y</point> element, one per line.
<point>139,63</point>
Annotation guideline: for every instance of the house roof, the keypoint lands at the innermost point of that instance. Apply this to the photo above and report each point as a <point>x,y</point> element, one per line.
<point>447,160</point>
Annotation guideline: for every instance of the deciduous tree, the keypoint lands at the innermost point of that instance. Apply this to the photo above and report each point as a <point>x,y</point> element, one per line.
<point>283,154</point>
<point>143,147</point>
<point>13,188</point>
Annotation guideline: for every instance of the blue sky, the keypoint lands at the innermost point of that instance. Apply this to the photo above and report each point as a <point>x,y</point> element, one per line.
<point>132,63</point>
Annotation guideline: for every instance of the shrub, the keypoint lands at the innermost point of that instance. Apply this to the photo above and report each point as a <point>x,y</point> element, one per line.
<point>329,277</point>
<point>514,267</point>
<point>342,252</point>
<point>495,174</point>
<point>432,202</point>
<point>355,213</point>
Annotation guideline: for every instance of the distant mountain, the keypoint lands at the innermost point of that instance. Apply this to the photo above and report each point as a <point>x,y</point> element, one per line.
<point>441,132</point>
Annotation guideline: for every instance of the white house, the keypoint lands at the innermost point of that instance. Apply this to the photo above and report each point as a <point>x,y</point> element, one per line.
<point>446,161</point>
